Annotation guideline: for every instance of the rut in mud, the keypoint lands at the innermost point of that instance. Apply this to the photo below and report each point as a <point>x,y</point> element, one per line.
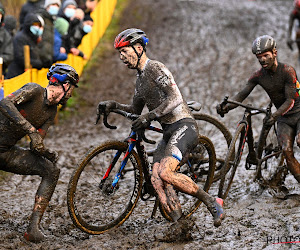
<point>207,47</point>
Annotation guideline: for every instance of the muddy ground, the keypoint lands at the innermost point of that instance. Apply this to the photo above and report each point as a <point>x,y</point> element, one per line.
<point>207,46</point>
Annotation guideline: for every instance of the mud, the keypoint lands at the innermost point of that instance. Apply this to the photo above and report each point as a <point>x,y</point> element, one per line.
<point>207,47</point>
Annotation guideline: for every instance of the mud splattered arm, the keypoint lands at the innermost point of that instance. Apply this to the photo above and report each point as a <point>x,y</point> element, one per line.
<point>9,109</point>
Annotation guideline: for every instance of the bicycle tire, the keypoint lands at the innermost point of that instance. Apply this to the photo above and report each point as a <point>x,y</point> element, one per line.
<point>232,160</point>
<point>93,209</point>
<point>203,161</point>
<point>218,133</point>
<point>275,165</point>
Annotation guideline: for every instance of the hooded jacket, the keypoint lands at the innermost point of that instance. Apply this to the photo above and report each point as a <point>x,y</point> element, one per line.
<point>22,38</point>
<point>6,44</point>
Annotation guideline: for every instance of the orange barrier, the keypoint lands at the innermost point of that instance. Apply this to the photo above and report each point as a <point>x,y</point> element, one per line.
<point>102,16</point>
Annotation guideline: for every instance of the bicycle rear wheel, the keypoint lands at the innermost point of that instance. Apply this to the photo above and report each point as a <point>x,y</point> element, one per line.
<point>95,208</point>
<point>221,137</point>
<point>200,168</point>
<point>232,160</point>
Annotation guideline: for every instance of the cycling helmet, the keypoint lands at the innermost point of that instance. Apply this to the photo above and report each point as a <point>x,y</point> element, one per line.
<point>62,73</point>
<point>263,44</point>
<point>130,37</point>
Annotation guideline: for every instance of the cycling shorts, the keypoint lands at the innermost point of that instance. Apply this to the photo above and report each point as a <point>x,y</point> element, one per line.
<point>288,125</point>
<point>178,139</point>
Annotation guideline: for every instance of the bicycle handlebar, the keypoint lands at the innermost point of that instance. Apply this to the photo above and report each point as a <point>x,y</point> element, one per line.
<point>249,107</point>
<point>127,115</point>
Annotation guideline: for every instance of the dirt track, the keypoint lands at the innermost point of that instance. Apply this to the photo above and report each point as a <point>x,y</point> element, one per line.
<point>207,46</point>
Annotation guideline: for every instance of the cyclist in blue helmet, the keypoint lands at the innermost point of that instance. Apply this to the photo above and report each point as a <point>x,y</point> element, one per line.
<point>157,89</point>
<point>30,111</point>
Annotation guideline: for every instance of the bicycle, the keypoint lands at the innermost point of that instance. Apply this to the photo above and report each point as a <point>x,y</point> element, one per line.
<point>266,155</point>
<point>216,131</point>
<point>107,184</point>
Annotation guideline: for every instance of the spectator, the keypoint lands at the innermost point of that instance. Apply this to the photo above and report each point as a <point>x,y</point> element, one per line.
<point>10,24</point>
<point>61,26</point>
<point>29,35</point>
<point>29,7</point>
<point>48,13</point>
<point>67,10</point>
<point>75,35</point>
<point>6,42</point>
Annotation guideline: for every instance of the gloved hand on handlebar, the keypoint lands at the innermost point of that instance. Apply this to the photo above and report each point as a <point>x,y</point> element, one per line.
<point>36,143</point>
<point>222,110</point>
<point>105,107</point>
<point>269,121</point>
<point>143,121</point>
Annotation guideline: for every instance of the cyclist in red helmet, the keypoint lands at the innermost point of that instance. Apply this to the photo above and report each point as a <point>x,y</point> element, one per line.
<point>30,111</point>
<point>157,89</point>
<point>280,82</point>
<point>294,15</point>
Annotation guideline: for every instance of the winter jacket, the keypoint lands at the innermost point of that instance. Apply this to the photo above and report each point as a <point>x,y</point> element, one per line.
<point>57,56</point>
<point>25,37</point>
<point>6,48</point>
<point>47,43</point>
<point>29,7</point>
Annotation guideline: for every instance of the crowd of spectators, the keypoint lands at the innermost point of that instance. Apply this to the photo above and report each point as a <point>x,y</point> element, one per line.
<point>51,28</point>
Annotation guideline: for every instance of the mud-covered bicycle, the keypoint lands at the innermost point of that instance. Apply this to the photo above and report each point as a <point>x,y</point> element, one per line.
<point>265,155</point>
<point>108,182</point>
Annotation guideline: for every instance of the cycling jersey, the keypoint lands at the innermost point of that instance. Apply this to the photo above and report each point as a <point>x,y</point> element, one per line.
<point>30,102</point>
<point>279,85</point>
<point>156,88</point>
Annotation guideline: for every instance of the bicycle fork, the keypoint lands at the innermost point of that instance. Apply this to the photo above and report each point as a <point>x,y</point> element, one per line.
<point>109,188</point>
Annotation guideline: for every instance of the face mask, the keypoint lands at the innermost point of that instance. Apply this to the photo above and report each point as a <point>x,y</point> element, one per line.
<point>69,12</point>
<point>53,10</point>
<point>87,28</point>
<point>36,30</point>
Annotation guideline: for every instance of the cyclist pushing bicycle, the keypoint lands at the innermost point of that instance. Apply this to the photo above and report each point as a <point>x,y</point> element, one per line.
<point>280,82</point>
<point>156,88</point>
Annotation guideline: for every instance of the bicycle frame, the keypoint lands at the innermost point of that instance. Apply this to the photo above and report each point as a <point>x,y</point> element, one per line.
<point>134,140</point>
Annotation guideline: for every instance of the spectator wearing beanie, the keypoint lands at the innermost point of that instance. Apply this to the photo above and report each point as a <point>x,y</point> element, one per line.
<point>29,35</point>
<point>67,10</point>
<point>61,26</point>
<point>10,24</point>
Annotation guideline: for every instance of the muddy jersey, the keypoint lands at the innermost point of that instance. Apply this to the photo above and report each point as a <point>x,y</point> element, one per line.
<point>28,103</point>
<point>157,89</point>
<point>282,86</point>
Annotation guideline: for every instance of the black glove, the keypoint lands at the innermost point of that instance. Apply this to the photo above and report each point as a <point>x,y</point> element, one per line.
<point>143,121</point>
<point>105,107</point>
<point>36,143</point>
<point>269,121</point>
<point>222,110</point>
<point>290,44</point>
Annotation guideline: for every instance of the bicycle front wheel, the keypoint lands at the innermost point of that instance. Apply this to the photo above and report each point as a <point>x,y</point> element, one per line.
<point>232,160</point>
<point>96,207</point>
<point>272,170</point>
<point>200,168</point>
<point>220,136</point>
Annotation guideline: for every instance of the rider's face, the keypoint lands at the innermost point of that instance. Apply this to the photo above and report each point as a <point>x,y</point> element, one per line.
<point>267,59</point>
<point>128,57</point>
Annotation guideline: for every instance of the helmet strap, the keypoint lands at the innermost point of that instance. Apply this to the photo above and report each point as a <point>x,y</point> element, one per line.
<point>65,93</point>
<point>139,57</point>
